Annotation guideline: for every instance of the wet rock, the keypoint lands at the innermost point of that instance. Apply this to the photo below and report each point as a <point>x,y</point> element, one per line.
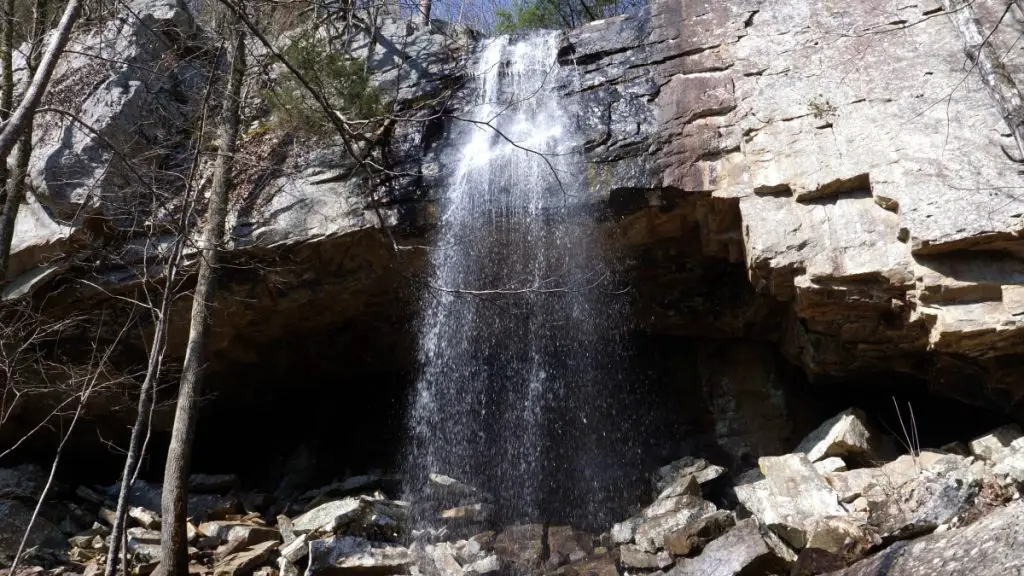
<point>469,551</point>
<point>353,555</point>
<point>487,565</point>
<point>521,546</point>
<point>845,434</point>
<point>685,486</point>
<point>700,469</point>
<point>566,543</point>
<point>363,515</point>
<point>245,561</point>
<point>691,539</point>
<point>622,532</point>
<point>650,533</point>
<point>994,545</point>
<point>742,550</point>
<point>602,566</point>
<point>635,557</point>
<point>451,492</point>
<point>438,560</point>
<point>470,513</point>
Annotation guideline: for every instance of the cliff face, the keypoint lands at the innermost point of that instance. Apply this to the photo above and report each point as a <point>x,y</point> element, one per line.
<point>854,163</point>
<point>827,179</point>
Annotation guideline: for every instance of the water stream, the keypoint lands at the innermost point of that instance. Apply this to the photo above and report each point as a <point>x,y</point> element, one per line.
<point>523,388</point>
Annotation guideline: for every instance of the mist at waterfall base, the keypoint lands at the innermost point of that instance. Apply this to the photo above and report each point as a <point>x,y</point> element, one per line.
<point>523,388</point>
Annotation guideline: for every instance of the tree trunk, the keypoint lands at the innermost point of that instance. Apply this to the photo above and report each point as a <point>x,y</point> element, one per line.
<point>983,56</point>
<point>16,180</point>
<point>173,542</point>
<point>143,418</point>
<point>6,58</point>
<point>131,462</point>
<point>425,11</point>
<point>21,118</point>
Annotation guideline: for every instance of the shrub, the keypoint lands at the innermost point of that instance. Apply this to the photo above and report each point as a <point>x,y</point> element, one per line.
<point>340,78</point>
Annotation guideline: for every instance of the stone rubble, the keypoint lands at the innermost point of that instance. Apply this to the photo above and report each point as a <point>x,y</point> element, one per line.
<point>791,516</point>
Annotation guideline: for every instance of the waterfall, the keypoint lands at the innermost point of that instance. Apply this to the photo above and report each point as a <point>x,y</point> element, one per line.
<point>522,387</point>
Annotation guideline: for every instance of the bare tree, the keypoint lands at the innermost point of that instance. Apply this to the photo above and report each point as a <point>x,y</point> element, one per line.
<point>21,119</point>
<point>91,381</point>
<point>156,352</point>
<point>174,504</point>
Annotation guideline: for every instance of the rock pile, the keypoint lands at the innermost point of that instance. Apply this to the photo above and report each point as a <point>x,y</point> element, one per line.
<point>832,502</point>
<point>841,503</point>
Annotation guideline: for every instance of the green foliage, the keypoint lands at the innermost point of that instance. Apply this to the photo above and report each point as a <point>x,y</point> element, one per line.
<point>524,15</point>
<point>341,79</point>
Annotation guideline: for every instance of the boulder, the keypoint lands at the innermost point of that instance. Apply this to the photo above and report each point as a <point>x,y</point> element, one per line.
<point>353,555</point>
<point>439,560</point>
<point>910,495</point>
<point>938,495</point>
<point>243,534</point>
<point>566,543</point>
<point>328,516</point>
<point>143,545</point>
<point>487,565</point>
<point>992,546</point>
<point>600,566</point>
<point>790,498</point>
<point>146,518</point>
<point>450,492</point>
<point>296,549</point>
<point>998,444</point>
<point>845,434</point>
<point>684,486</point>
<point>470,513</point>
<point>741,550</point>
<point>842,536</point>
<point>359,516</point>
<point>691,539</point>
<point>521,546</point>
<point>700,469</point>
<point>650,532</point>
<point>622,532</point>
<point>14,516</point>
<point>245,561</point>
<point>830,464</point>
<point>635,557</point>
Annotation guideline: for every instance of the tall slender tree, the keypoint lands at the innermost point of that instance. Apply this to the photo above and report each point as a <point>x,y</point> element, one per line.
<point>174,504</point>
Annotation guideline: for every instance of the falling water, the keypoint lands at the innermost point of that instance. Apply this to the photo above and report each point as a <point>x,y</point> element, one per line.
<point>522,386</point>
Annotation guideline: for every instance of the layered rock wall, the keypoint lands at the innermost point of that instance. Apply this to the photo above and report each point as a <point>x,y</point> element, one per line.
<point>830,178</point>
<point>850,157</point>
